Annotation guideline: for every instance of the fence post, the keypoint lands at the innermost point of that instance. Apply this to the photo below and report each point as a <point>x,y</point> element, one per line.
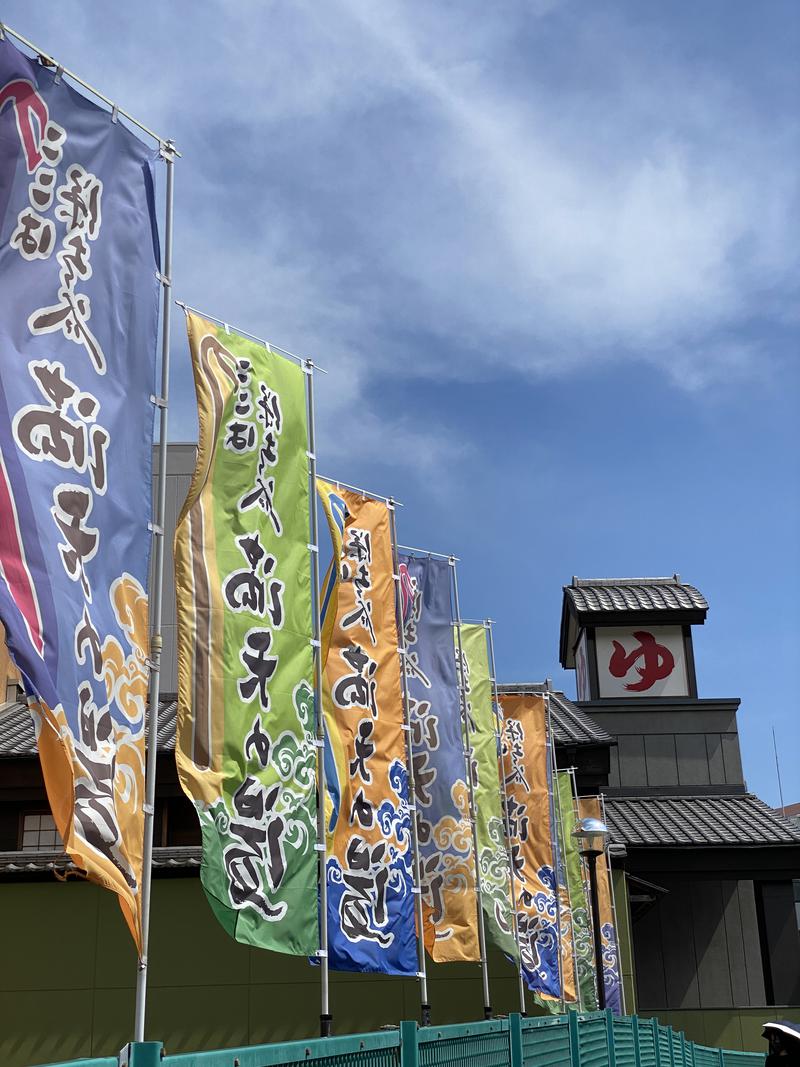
<point>671,1046</point>
<point>409,1051</point>
<point>574,1038</point>
<point>612,1057</point>
<point>721,1057</point>
<point>656,1041</point>
<point>637,1051</point>
<point>515,1039</point>
<point>141,1054</point>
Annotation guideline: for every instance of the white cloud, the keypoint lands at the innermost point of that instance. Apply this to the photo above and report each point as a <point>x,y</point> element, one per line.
<point>355,174</point>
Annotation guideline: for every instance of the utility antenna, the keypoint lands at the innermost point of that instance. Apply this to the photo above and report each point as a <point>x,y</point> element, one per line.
<point>778,770</point>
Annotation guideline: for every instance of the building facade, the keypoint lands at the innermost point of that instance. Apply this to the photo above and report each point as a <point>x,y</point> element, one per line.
<point>704,872</point>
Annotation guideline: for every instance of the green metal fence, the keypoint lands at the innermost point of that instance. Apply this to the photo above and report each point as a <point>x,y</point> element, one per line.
<point>594,1039</point>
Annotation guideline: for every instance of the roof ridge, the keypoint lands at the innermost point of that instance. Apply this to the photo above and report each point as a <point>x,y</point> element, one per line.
<point>579,583</point>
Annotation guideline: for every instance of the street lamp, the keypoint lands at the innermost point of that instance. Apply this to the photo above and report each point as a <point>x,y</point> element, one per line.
<point>592,835</point>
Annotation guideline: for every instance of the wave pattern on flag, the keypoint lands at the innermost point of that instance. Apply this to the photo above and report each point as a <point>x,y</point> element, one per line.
<point>245,747</point>
<point>371,914</point>
<point>78,329</point>
<point>442,796</point>
<point>525,766</point>
<point>579,901</point>
<point>489,828</point>
<point>591,807</point>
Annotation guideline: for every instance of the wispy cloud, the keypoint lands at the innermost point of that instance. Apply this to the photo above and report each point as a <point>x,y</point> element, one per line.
<point>459,191</point>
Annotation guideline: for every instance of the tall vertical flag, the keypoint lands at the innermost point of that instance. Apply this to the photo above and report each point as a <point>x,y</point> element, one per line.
<point>525,766</point>
<point>579,902</point>
<point>566,953</point>
<point>489,829</point>
<point>78,324</point>
<point>590,807</point>
<point>442,796</point>
<point>245,748</point>
<point>371,914</point>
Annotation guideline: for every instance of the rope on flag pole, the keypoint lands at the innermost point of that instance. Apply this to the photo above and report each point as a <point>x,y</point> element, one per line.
<point>425,1008</point>
<point>504,806</point>
<point>466,731</point>
<point>325,1017</point>
<point>156,640</point>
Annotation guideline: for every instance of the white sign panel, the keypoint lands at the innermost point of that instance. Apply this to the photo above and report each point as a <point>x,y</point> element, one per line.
<point>641,661</point>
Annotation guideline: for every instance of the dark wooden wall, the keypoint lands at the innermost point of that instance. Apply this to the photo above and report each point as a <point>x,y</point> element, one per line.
<point>698,946</point>
<point>673,747</point>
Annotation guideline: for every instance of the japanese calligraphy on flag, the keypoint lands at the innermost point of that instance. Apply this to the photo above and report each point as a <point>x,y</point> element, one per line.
<point>578,897</point>
<point>245,749</point>
<point>569,982</point>
<point>525,766</point>
<point>590,807</point>
<point>371,922</point>
<point>442,796</point>
<point>78,326</point>
<point>489,829</point>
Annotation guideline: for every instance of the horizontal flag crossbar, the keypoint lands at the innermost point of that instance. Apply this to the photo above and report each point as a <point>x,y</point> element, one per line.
<point>361,492</point>
<point>48,61</point>
<point>428,552</point>
<point>269,345</point>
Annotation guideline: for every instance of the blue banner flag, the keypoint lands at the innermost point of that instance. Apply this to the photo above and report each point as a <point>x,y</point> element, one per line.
<point>78,328</point>
<point>445,834</point>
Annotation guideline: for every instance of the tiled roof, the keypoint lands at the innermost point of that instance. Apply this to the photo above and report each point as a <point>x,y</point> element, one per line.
<point>697,821</point>
<point>174,857</point>
<point>18,739</point>
<point>634,594</point>
<point>609,601</point>
<point>571,726</point>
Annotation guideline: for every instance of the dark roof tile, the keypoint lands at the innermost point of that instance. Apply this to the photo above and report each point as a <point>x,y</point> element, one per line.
<point>571,726</point>
<point>634,594</point>
<point>29,862</point>
<point>17,737</point>
<point>699,821</point>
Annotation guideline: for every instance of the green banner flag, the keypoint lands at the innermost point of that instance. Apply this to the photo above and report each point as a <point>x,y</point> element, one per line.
<point>489,831</point>
<point>245,750</point>
<point>581,923</point>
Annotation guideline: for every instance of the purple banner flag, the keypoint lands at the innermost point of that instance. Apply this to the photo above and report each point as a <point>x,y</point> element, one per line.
<point>78,326</point>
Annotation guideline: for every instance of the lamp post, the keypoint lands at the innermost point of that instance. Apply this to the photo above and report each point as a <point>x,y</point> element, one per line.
<point>592,835</point>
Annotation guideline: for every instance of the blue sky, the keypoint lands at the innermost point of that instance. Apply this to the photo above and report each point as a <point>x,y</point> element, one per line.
<point>547,251</point>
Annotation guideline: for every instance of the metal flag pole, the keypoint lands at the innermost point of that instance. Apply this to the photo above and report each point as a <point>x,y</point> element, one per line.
<point>156,640</point>
<point>466,733</point>
<point>325,1017</point>
<point>422,974</point>
<point>554,843</point>
<point>512,878</point>
<point>613,907</point>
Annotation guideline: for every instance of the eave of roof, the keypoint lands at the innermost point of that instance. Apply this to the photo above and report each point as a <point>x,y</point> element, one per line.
<point>610,600</point>
<point>700,821</point>
<point>174,857</point>
<point>571,726</point>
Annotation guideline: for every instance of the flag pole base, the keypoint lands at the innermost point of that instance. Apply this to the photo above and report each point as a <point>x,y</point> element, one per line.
<point>487,1011</point>
<point>425,1011</point>
<point>325,1025</point>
